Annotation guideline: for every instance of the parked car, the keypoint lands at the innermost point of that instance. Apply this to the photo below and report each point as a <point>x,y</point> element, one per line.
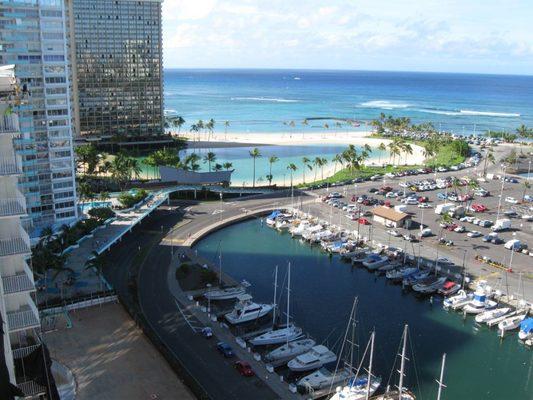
<point>410,201</point>
<point>425,205</point>
<point>460,229</point>
<point>497,240</point>
<point>225,349</point>
<point>485,223</point>
<point>511,200</point>
<point>478,207</point>
<point>207,332</point>
<point>489,237</point>
<point>363,221</point>
<point>442,196</point>
<point>474,234</point>
<point>244,368</point>
<point>425,232</point>
<point>393,232</point>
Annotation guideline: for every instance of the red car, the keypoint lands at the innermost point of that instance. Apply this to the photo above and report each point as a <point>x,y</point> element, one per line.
<point>423,199</point>
<point>363,221</point>
<point>478,207</point>
<point>452,227</point>
<point>244,368</point>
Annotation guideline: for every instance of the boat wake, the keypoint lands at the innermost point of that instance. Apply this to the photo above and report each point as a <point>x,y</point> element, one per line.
<point>267,99</point>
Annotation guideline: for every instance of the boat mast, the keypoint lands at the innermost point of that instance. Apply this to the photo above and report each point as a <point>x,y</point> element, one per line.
<point>220,267</point>
<point>441,384</point>
<point>288,298</point>
<point>275,294</point>
<point>402,364</point>
<point>367,394</point>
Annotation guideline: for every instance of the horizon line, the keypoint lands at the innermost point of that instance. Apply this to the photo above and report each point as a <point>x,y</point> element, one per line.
<point>342,70</point>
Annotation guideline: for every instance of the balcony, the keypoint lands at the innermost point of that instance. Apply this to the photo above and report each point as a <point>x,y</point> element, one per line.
<point>20,282</point>
<point>25,317</point>
<point>12,203</point>
<point>9,123</point>
<point>14,240</point>
<point>32,389</point>
<point>21,352</point>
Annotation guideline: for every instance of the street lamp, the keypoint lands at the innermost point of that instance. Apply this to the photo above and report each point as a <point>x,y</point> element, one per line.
<point>501,193</point>
<point>208,300</point>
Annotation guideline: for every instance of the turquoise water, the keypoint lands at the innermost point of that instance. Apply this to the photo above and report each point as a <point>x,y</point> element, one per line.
<point>243,163</point>
<point>479,365</point>
<point>266,100</point>
<point>85,207</point>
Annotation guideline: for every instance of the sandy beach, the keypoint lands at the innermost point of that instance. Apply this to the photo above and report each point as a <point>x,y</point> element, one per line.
<point>303,139</point>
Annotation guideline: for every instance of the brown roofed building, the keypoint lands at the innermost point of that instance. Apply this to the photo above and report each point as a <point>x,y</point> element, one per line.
<point>390,217</point>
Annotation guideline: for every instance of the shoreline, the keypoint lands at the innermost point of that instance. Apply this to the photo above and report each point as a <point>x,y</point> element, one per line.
<point>303,139</point>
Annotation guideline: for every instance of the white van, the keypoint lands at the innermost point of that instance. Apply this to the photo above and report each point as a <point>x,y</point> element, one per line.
<point>444,208</point>
<point>501,225</point>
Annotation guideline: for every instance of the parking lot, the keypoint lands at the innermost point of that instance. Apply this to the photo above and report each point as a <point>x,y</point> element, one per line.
<point>464,247</point>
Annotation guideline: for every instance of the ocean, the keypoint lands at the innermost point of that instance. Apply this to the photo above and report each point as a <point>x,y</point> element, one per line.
<point>267,100</point>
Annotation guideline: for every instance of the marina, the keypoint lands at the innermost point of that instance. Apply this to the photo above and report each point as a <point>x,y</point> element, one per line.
<point>325,281</point>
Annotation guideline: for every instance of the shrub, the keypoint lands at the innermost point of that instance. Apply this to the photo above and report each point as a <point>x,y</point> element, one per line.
<point>128,199</point>
<point>208,276</point>
<point>183,271</point>
<point>101,213</point>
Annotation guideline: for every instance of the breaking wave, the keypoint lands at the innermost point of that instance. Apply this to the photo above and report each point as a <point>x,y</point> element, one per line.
<point>267,99</point>
<point>383,104</point>
<point>468,113</point>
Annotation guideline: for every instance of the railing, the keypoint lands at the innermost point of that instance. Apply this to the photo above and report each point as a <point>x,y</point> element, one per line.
<point>24,351</point>
<point>24,318</point>
<point>18,283</point>
<point>13,205</point>
<point>31,388</point>
<point>10,163</point>
<point>15,245</point>
<point>9,123</point>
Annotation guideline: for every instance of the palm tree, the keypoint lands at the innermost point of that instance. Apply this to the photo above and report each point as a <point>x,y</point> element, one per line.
<point>227,166</point>
<point>179,123</point>
<point>337,159</point>
<point>210,126</point>
<point>316,163</point>
<point>217,167</point>
<point>305,162</point>
<point>226,124</point>
<point>305,123</point>
<point>527,186</point>
<point>292,167</point>
<point>209,158</point>
<point>255,153</point>
<point>524,131</point>
<point>323,162</point>
<point>488,158</point>
<point>381,148</point>
<point>103,196</point>
<point>271,160</point>
<point>408,150</point>
<point>191,162</point>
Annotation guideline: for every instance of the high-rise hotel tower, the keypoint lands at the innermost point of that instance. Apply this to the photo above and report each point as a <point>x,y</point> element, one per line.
<point>34,38</point>
<point>117,69</point>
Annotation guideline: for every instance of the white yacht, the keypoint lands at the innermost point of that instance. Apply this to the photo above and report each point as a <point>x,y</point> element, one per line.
<point>459,300</point>
<point>300,229</point>
<point>224,294</point>
<point>486,316</point>
<point>429,285</point>
<point>290,350</point>
<point>479,303</point>
<point>315,358</point>
<point>376,262</point>
<point>322,379</point>
<point>511,323</point>
<point>399,274</point>
<point>246,310</point>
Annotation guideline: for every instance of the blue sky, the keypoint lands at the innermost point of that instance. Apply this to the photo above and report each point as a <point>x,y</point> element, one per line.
<point>486,36</point>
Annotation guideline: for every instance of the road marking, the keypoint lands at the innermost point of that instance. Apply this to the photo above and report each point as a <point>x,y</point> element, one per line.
<point>217,212</point>
<point>186,318</point>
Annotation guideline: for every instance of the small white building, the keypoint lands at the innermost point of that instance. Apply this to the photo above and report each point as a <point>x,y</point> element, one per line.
<point>390,217</point>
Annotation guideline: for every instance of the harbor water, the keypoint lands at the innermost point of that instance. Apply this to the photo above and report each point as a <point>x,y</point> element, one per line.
<point>479,366</point>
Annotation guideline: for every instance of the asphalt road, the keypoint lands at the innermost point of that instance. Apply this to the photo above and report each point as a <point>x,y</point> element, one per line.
<point>141,253</point>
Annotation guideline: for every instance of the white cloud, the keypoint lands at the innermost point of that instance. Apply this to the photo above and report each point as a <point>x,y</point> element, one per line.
<point>187,9</point>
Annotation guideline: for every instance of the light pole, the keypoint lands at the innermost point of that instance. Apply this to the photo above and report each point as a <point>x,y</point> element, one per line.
<point>501,194</point>
<point>208,301</point>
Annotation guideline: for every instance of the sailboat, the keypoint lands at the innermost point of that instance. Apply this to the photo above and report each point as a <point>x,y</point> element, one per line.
<point>227,293</point>
<point>400,393</point>
<point>360,387</point>
<point>286,334</point>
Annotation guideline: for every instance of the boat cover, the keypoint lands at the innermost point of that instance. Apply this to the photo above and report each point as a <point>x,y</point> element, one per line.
<point>274,214</point>
<point>527,325</point>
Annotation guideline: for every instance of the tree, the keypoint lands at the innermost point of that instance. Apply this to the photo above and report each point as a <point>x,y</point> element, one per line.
<point>323,162</point>
<point>217,167</point>
<point>227,166</point>
<point>381,148</point>
<point>316,162</point>
<point>292,168</point>
<point>209,158</point>
<point>337,159</point>
<point>210,126</point>
<point>103,196</point>
<point>255,153</point>
<point>524,132</point>
<point>271,160</point>
<point>408,150</point>
<point>305,124</point>
<point>527,186</point>
<point>226,124</point>
<point>88,158</point>
<point>84,191</point>
<point>179,122</point>
<point>191,162</point>
<point>489,157</point>
<point>305,162</point>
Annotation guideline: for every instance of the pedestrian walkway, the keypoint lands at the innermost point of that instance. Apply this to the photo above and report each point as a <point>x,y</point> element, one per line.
<point>78,281</point>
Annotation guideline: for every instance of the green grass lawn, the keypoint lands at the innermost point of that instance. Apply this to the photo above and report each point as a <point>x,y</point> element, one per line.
<point>446,156</point>
<point>345,174</point>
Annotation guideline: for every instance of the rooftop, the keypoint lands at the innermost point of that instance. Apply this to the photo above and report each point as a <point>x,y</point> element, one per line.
<point>390,214</point>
